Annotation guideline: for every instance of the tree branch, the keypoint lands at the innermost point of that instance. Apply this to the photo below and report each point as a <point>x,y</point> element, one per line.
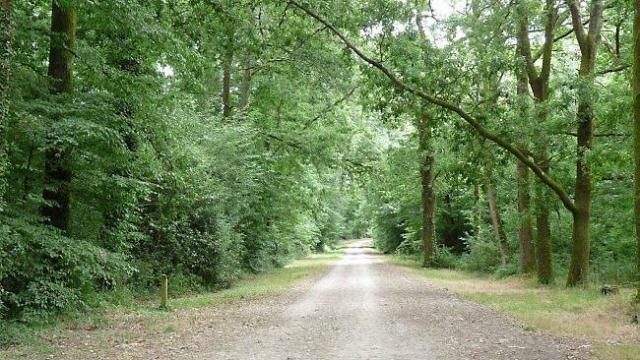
<point>547,48</point>
<point>614,69</point>
<point>331,106</point>
<point>473,122</point>
<point>524,44</point>
<point>600,134</point>
<point>576,21</point>
<point>595,20</point>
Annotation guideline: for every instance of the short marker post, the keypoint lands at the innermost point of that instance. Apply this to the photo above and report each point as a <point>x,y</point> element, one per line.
<point>164,291</point>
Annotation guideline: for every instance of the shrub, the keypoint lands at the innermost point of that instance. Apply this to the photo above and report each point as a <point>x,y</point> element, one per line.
<point>43,272</point>
<point>483,253</point>
<point>445,258</point>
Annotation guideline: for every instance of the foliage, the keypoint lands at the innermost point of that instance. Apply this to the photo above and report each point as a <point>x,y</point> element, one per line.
<point>163,182</point>
<point>208,139</point>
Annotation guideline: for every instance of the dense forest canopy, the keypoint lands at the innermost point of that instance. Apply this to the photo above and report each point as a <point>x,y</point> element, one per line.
<point>204,139</point>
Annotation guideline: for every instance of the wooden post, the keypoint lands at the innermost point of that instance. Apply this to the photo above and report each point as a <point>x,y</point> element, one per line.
<point>164,291</point>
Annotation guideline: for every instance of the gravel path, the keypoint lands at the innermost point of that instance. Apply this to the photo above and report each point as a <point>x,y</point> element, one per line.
<point>364,308</point>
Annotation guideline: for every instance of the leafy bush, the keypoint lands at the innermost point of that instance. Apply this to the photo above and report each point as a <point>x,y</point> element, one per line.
<point>483,254</point>
<point>43,272</point>
<point>445,258</point>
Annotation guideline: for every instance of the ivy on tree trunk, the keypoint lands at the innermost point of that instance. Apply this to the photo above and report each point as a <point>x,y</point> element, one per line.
<point>57,172</point>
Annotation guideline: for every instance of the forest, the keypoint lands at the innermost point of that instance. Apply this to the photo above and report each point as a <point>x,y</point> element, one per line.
<point>207,139</point>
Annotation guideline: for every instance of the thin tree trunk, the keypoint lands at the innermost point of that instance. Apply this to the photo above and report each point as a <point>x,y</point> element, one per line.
<point>58,175</point>
<point>428,192</point>
<point>636,113</point>
<point>525,232</point>
<point>496,219</point>
<point>226,90</point>
<point>227,108</point>
<point>245,86</point>
<point>478,213</point>
<point>6,50</point>
<point>6,40</point>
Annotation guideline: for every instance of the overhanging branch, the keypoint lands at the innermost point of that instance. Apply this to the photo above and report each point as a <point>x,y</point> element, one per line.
<point>472,121</point>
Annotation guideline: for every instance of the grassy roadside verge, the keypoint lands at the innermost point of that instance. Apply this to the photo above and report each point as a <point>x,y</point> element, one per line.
<point>604,321</point>
<point>138,320</point>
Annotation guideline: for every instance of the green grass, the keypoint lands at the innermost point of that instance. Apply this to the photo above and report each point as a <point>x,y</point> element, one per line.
<point>581,313</point>
<point>32,340</point>
<point>268,284</point>
<point>618,351</point>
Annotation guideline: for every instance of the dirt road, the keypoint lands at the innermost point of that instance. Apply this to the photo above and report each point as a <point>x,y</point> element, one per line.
<point>364,308</point>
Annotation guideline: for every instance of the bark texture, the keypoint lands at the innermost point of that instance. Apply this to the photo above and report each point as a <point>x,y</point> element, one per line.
<point>57,175</point>
<point>588,42</point>
<point>426,169</point>
<point>543,237</point>
<point>525,232</point>
<point>539,84</point>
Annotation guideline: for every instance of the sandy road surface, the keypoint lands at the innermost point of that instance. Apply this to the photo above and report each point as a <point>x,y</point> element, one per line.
<point>364,308</point>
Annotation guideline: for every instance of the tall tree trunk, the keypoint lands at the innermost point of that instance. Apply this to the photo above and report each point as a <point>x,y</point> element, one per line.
<point>588,42</point>
<point>544,262</point>
<point>226,89</point>
<point>539,84</point>
<point>496,218</point>
<point>6,41</point>
<point>428,161</point>
<point>57,174</point>
<point>428,192</point>
<point>636,113</point>
<point>6,50</point>
<point>525,231</point>
<point>580,247</point>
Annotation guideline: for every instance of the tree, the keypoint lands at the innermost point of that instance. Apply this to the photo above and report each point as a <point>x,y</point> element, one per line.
<point>57,168</point>
<point>525,230</point>
<point>425,148</point>
<point>588,43</point>
<point>539,83</point>
<point>424,125</point>
<point>468,118</point>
